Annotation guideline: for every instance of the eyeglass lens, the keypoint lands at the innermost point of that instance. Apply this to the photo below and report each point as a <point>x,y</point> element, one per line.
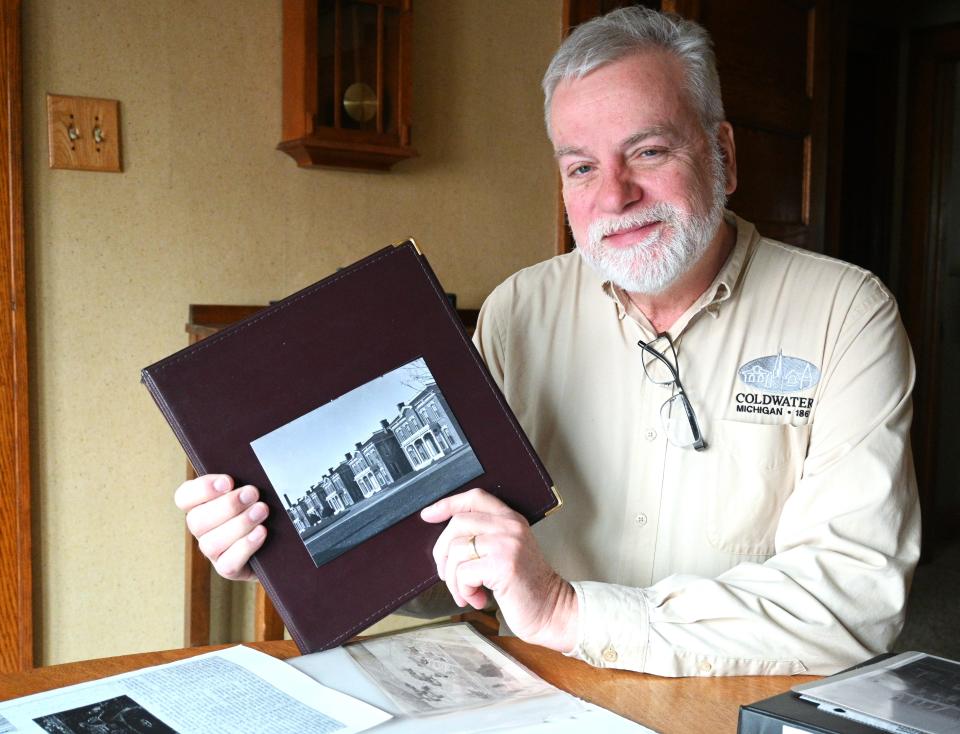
<point>655,367</point>
<point>676,415</point>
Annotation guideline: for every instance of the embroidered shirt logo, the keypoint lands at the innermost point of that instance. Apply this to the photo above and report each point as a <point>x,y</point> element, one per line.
<point>776,373</point>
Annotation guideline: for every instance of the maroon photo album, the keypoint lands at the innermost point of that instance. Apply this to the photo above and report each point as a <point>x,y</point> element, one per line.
<point>352,404</point>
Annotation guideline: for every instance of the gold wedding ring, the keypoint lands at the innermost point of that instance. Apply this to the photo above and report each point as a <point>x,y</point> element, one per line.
<point>473,545</point>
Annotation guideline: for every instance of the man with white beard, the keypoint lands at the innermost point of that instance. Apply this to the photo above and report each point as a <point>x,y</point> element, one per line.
<point>727,417</point>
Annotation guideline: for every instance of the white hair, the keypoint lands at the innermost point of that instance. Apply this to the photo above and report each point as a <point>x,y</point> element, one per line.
<point>632,30</point>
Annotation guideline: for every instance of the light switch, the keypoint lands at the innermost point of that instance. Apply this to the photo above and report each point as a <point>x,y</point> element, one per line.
<point>83,133</point>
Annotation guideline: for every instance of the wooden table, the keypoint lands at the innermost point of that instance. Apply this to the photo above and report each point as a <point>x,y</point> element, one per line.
<point>687,705</point>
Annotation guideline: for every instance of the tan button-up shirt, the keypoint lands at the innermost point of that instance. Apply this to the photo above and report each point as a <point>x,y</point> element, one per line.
<point>788,544</point>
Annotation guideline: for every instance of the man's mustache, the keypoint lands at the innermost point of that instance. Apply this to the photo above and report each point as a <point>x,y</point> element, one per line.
<point>607,226</point>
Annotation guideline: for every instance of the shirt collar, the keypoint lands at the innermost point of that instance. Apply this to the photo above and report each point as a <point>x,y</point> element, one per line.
<point>724,285</point>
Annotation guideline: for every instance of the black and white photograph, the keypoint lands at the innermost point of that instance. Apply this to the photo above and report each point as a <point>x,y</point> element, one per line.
<point>435,670</point>
<point>360,463</point>
<point>118,715</point>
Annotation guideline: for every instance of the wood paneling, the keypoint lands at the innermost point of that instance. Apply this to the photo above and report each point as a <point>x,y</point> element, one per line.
<point>927,217</point>
<point>16,578</point>
<point>869,100</point>
<point>771,58</point>
<point>759,198</point>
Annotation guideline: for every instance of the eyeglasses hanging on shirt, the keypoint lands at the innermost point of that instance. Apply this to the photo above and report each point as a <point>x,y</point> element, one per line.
<point>679,420</point>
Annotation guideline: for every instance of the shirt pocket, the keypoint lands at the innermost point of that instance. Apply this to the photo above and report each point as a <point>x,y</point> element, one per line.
<point>757,467</point>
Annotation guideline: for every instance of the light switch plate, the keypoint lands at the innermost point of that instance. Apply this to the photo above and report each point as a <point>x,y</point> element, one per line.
<point>84,133</point>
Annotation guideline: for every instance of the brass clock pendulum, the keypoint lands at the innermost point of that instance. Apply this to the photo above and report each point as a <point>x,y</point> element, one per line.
<point>359,100</point>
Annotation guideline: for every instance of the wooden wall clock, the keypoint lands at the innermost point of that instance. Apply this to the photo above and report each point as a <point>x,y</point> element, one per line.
<point>347,82</point>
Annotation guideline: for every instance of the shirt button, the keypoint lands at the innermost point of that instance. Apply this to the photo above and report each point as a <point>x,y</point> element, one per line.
<point>650,434</point>
<point>641,519</point>
<point>705,667</point>
<point>609,654</point>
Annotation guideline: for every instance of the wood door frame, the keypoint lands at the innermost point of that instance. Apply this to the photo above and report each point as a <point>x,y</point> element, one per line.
<point>16,575</point>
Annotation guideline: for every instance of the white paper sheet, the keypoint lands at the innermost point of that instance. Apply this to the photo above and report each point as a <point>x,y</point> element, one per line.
<point>234,691</point>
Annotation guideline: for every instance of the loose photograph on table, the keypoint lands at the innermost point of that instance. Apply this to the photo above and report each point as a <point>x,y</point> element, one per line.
<point>436,670</point>
<point>353,467</point>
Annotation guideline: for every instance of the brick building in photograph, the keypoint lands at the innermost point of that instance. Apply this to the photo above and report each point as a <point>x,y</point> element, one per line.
<point>423,433</point>
<point>426,428</point>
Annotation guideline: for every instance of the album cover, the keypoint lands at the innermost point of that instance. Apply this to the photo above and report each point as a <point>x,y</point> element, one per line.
<point>352,404</point>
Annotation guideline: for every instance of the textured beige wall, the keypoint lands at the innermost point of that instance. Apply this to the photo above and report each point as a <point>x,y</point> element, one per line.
<point>207,211</point>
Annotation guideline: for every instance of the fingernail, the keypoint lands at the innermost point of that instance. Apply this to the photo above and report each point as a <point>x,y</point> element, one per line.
<point>248,495</point>
<point>257,513</point>
<point>221,484</point>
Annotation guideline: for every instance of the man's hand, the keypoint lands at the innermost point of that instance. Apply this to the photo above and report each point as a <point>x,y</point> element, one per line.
<point>488,545</point>
<point>225,521</point>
